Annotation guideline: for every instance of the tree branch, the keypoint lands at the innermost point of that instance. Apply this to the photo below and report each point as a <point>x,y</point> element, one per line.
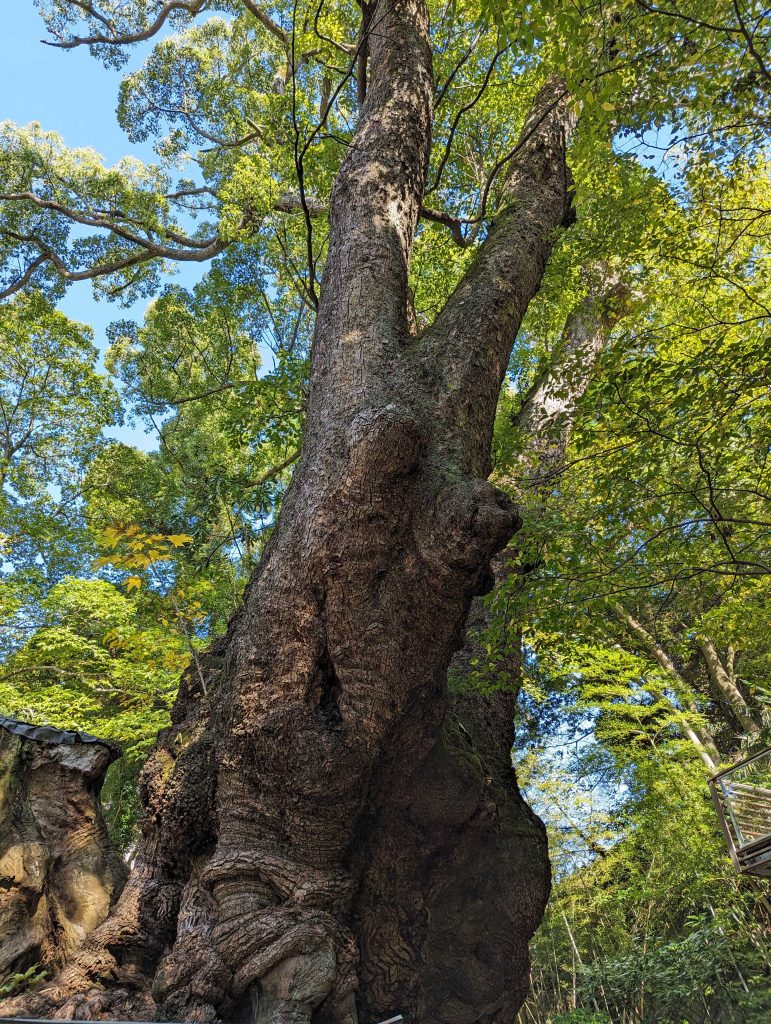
<point>362,55</point>
<point>267,22</point>
<point>183,249</point>
<point>146,251</point>
<point>459,114</point>
<point>115,38</point>
<point>749,38</point>
<point>455,224</point>
<point>546,415</point>
<point>475,331</point>
<point>700,738</point>
<point>725,687</point>
<point>274,471</point>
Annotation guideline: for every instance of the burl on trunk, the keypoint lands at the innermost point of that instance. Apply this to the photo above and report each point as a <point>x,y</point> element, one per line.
<point>326,835</point>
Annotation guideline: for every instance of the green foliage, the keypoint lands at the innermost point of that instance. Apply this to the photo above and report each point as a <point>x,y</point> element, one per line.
<point>647,920</point>
<point>13,984</point>
<point>579,1017</point>
<point>54,407</point>
<point>101,662</point>
<point>78,192</point>
<point>54,404</point>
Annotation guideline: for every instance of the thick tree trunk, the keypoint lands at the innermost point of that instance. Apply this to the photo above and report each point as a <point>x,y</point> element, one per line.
<point>322,828</point>
<point>454,876</point>
<point>59,875</point>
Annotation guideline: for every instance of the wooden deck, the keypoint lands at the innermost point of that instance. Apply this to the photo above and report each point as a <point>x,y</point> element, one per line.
<point>742,796</point>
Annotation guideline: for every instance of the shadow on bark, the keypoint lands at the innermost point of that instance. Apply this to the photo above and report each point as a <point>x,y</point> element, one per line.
<point>454,876</point>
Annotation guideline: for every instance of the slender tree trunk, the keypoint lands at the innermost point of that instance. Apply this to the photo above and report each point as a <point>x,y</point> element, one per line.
<point>321,829</point>
<point>548,410</point>
<point>725,687</point>
<point>544,423</point>
<point>696,734</point>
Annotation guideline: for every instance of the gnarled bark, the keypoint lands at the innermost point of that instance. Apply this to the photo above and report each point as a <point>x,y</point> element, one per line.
<point>317,824</point>
<point>59,873</point>
<point>454,878</point>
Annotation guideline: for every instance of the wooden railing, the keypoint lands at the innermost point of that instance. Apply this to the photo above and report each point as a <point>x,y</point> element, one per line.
<point>742,796</point>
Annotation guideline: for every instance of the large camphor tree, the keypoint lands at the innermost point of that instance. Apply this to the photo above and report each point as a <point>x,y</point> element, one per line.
<point>328,833</point>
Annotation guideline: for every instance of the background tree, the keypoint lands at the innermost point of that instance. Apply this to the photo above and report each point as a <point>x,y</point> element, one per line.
<point>54,407</point>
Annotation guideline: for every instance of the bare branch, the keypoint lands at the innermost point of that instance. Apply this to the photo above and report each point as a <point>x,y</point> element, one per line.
<point>749,38</point>
<point>100,220</point>
<point>114,38</point>
<point>363,51</point>
<point>459,114</point>
<point>183,248</point>
<point>346,48</point>
<point>146,253</point>
<point>455,224</point>
<point>267,22</point>
<point>724,686</point>
<point>276,470</point>
<point>442,91</point>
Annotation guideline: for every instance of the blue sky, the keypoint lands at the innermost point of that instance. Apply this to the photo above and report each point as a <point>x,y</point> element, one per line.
<point>69,92</point>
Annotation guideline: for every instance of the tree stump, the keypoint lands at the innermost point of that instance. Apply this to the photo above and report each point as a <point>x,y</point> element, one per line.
<point>59,873</point>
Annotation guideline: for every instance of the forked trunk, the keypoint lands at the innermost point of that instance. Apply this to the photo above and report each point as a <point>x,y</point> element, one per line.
<point>323,830</point>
